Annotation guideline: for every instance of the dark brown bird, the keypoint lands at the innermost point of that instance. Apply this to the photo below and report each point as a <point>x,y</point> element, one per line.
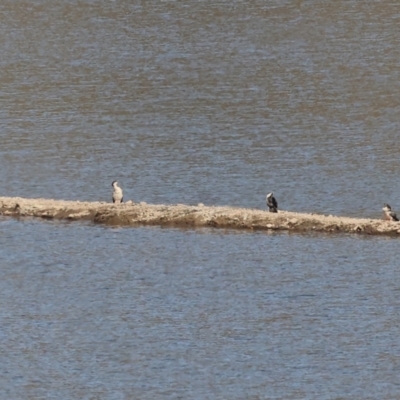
<point>272,203</point>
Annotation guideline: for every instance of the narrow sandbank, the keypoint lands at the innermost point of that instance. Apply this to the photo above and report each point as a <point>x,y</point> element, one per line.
<point>195,216</point>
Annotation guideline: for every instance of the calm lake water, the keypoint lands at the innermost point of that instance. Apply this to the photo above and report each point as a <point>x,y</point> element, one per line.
<point>212,102</point>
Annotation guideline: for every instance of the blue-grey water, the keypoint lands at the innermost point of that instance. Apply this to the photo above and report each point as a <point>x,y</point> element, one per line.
<point>188,102</point>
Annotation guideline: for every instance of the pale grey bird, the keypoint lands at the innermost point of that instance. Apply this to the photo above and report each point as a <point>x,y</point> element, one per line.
<point>117,196</point>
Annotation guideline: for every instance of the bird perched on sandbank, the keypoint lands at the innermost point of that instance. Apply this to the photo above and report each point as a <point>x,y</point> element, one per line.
<point>117,196</point>
<point>272,203</point>
<point>389,214</point>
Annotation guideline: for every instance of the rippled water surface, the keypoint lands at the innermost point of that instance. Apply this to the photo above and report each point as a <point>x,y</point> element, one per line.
<point>153,313</point>
<point>212,102</point>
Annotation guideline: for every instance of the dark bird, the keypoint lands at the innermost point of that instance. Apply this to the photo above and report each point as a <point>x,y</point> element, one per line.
<point>272,203</point>
<point>389,214</point>
<point>117,196</point>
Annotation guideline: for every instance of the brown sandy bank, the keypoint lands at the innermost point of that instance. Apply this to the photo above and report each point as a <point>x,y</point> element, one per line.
<point>195,216</point>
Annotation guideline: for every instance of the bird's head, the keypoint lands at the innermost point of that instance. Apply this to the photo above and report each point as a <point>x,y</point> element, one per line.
<point>386,207</point>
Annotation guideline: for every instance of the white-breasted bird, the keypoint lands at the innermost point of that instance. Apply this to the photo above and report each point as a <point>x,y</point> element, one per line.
<point>117,196</point>
<point>272,203</point>
<point>389,214</point>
